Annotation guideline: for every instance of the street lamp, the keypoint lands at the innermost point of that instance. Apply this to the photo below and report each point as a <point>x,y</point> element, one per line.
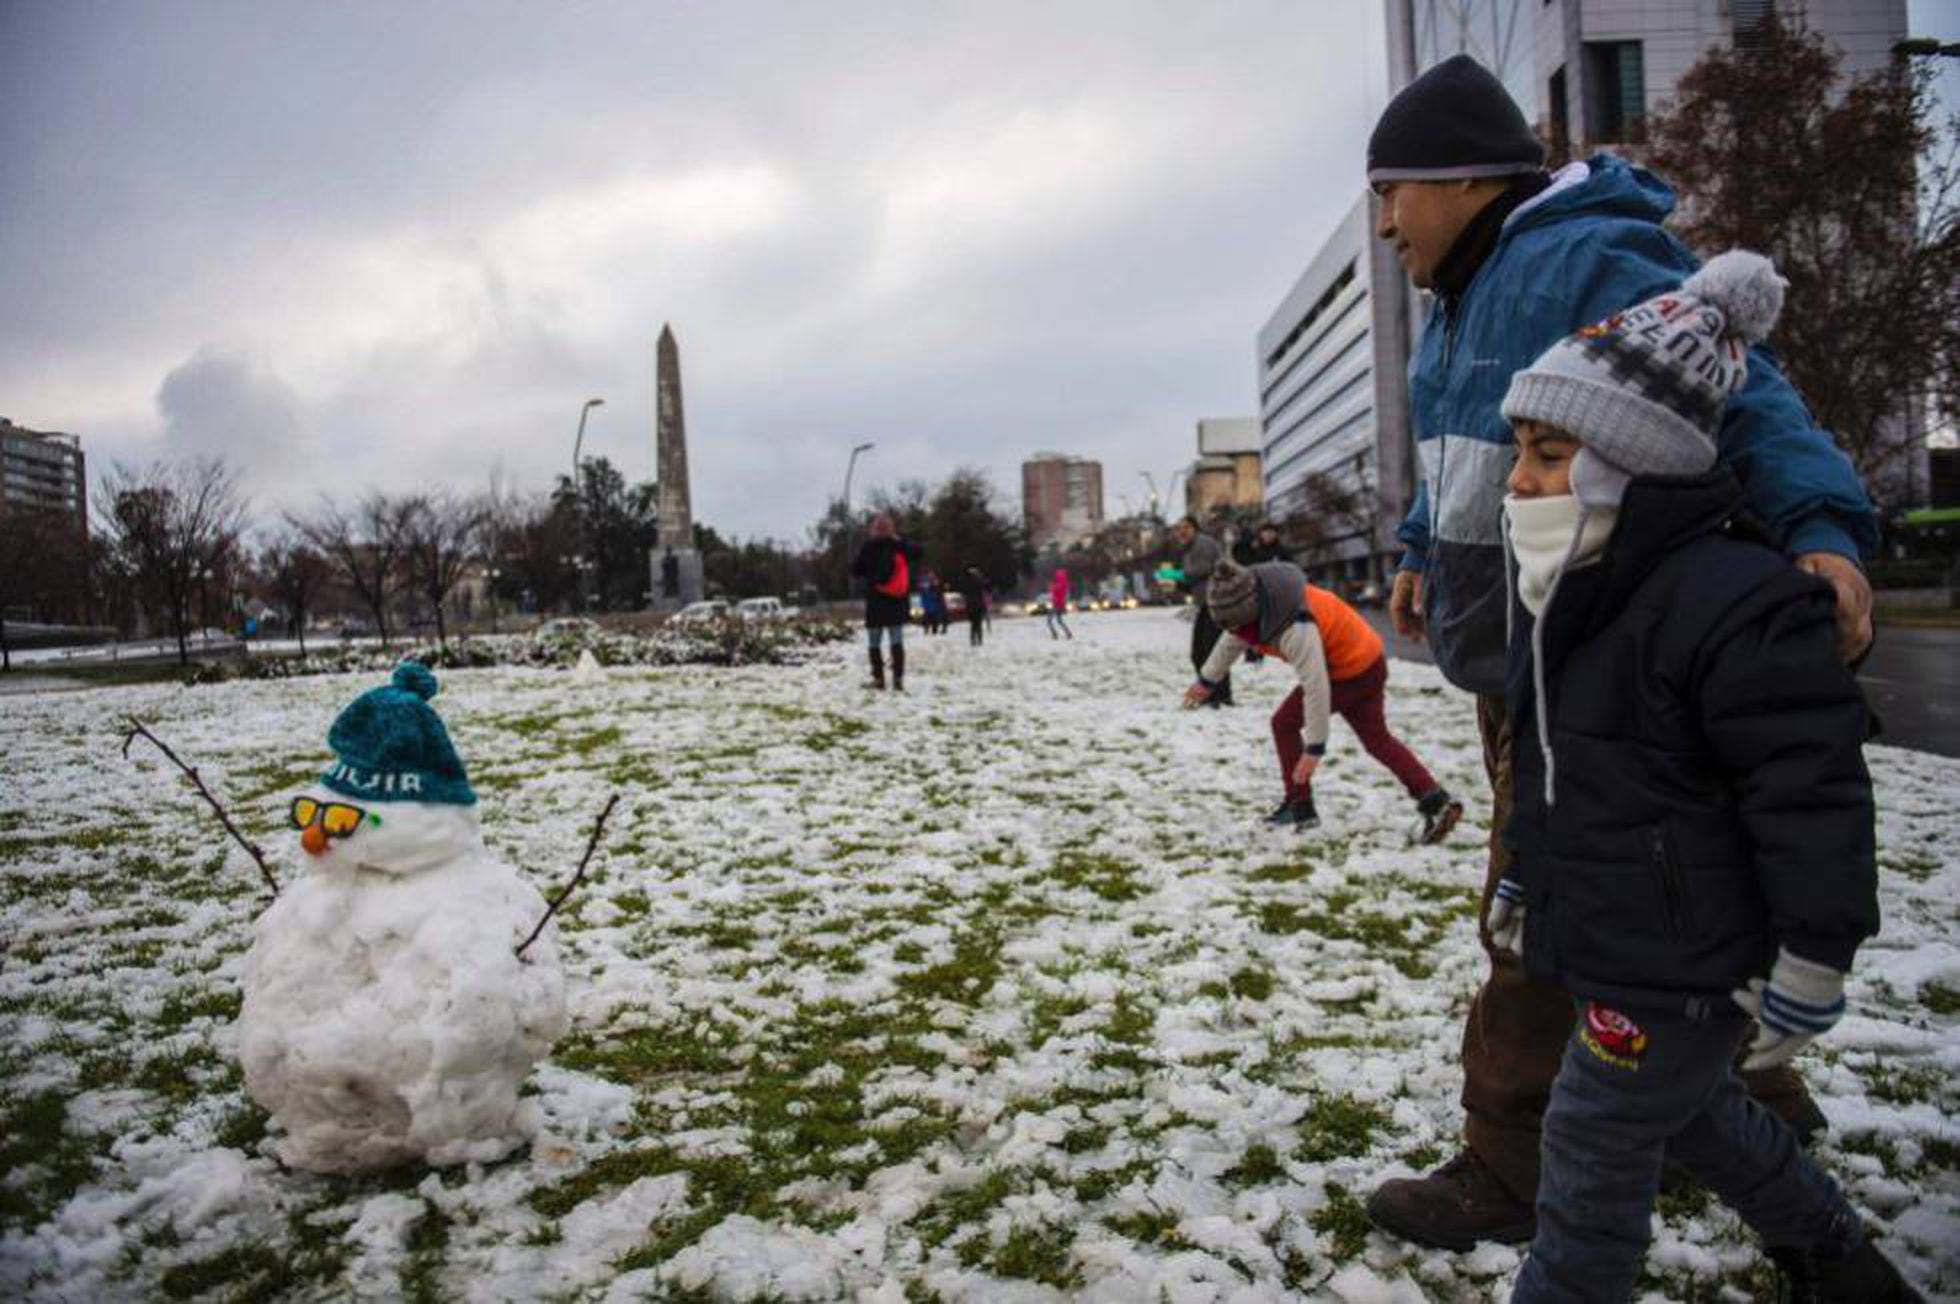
<point>578,496</point>
<point>849,467</point>
<point>495,575</point>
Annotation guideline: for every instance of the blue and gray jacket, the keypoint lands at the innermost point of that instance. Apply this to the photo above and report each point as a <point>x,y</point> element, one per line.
<point>1589,245</point>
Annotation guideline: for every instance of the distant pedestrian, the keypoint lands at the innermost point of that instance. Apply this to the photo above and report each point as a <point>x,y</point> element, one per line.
<point>932,604</point>
<point>885,563</point>
<point>1057,604</point>
<point>1202,555</point>
<point>973,590</point>
<point>1342,670</point>
<point>1263,545</point>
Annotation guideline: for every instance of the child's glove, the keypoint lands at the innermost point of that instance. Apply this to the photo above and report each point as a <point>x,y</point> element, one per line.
<point>1801,1000</point>
<point>1507,917</point>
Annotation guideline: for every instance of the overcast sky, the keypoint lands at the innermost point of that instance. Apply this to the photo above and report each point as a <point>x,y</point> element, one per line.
<point>348,244</point>
<point>399,244</point>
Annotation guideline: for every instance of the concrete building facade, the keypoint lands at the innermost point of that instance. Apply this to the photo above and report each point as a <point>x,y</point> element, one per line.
<point>43,471</point>
<point>1061,499</point>
<point>1600,66</point>
<point>1226,474</point>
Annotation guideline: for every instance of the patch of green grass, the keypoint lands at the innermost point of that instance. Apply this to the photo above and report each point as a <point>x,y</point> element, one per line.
<point>1106,876</point>
<point>185,1004</point>
<point>1344,1222</point>
<point>1908,1084</point>
<point>243,1128</point>
<point>1337,1127</point>
<point>428,1245</point>
<point>1155,1227</point>
<point>247,1271</point>
<point>1938,998</point>
<point>956,1209</point>
<point>1252,984</point>
<point>1037,1252</point>
<point>966,978</point>
<point>1259,1166</point>
<point>834,733</point>
<point>1125,1033</point>
<point>46,1161</point>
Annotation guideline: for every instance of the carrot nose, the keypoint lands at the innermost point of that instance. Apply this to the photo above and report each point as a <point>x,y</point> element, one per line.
<point>314,839</point>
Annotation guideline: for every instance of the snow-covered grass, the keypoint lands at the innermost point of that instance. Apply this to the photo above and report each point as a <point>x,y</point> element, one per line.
<point>996,990</point>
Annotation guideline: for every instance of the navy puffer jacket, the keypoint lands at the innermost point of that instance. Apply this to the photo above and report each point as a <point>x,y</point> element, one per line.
<point>1711,800</point>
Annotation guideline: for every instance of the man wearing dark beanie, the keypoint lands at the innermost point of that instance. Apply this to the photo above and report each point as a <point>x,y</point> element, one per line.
<point>1516,259</point>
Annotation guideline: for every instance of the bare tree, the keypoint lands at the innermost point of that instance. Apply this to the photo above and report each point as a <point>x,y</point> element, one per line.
<point>441,535</point>
<point>175,524</point>
<point>365,547</point>
<point>1851,186</point>
<point>295,572</point>
<point>531,541</point>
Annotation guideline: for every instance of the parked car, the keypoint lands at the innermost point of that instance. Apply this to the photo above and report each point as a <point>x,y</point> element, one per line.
<point>702,612</point>
<point>763,609</point>
<point>568,627</point>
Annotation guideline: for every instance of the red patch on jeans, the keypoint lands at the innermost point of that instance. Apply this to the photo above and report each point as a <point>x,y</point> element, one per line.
<point>1614,1034</point>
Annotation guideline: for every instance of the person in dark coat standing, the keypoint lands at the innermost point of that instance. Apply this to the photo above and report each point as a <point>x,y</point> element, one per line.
<point>1692,841</point>
<point>1262,546</point>
<point>885,563</point>
<point>973,589</point>
<point>1201,557</point>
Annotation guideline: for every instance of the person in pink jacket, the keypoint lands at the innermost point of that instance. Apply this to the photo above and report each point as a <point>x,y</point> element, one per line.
<point>1058,603</point>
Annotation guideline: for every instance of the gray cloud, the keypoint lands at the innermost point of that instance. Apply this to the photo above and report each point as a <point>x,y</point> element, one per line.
<point>422,235</point>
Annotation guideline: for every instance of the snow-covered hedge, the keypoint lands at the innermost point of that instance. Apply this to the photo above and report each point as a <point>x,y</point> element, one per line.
<point>726,642</point>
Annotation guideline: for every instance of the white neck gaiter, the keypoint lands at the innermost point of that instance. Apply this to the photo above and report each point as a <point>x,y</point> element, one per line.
<point>1543,533</point>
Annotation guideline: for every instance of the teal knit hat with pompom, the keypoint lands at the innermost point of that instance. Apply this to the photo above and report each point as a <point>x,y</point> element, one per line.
<point>390,745</point>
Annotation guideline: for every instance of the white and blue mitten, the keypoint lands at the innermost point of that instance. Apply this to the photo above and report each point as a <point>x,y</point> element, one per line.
<point>1799,1002</point>
<point>1507,916</point>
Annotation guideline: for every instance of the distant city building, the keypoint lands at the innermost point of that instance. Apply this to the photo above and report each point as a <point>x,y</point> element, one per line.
<point>1061,499</point>
<point>1226,472</point>
<point>42,471</point>
<point>1602,67</point>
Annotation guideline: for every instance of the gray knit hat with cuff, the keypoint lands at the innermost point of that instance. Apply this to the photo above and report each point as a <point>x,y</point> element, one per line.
<point>1643,391</point>
<point>1232,597</point>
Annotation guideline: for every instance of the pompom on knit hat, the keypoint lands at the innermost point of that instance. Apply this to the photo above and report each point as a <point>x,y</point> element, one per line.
<point>1455,122</point>
<point>1232,597</point>
<point>1643,391</point>
<point>390,745</point>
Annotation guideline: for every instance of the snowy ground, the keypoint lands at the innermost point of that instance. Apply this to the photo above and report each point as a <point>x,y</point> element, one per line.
<point>997,990</point>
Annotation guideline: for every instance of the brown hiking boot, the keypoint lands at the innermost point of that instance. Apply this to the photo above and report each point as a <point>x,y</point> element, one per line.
<point>1453,1208</point>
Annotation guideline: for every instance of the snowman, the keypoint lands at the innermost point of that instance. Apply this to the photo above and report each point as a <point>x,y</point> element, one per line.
<point>387,1018</point>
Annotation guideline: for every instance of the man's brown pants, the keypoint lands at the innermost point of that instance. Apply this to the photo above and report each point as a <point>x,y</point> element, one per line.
<point>1517,1027</point>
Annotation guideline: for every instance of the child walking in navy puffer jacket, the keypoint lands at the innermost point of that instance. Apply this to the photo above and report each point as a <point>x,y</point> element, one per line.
<point>1693,829</point>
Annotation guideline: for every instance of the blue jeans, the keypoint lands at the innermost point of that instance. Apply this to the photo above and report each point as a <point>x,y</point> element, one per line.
<point>895,632</point>
<point>1631,1092</point>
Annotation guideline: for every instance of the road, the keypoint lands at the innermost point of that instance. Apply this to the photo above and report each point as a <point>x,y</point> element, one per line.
<point>1911,678</point>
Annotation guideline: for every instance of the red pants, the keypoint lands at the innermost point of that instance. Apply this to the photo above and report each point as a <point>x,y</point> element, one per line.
<point>1360,702</point>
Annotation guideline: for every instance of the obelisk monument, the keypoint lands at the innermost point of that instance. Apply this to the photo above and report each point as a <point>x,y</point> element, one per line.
<point>676,563</point>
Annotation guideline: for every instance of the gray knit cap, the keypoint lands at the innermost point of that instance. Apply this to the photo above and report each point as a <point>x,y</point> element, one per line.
<point>1233,596</point>
<point>1643,390</point>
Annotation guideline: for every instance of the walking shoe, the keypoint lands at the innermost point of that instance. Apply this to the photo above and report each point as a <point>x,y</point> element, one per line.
<point>1453,1208</point>
<point>1294,815</point>
<point>1863,1276</point>
<point>1439,812</point>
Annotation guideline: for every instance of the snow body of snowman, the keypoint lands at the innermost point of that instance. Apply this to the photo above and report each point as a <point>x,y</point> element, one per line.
<point>387,1018</point>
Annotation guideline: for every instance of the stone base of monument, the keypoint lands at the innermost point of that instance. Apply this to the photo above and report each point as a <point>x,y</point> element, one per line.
<point>676,578</point>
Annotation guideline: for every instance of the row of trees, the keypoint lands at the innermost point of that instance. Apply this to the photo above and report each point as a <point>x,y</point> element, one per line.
<point>174,550</point>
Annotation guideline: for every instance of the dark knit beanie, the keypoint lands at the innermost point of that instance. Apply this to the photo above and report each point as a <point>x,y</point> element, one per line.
<point>1454,122</point>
